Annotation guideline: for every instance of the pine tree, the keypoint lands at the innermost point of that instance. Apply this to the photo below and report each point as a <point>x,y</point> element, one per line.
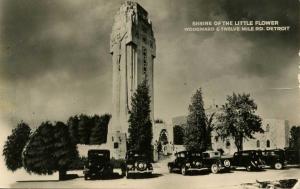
<point>140,126</point>
<point>65,151</point>
<point>49,149</point>
<point>85,125</point>
<point>73,128</point>
<point>12,150</point>
<point>178,135</point>
<point>38,152</point>
<point>96,135</point>
<point>100,128</point>
<point>195,132</point>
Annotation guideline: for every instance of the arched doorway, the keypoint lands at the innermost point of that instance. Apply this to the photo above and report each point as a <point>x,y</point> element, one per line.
<point>164,142</point>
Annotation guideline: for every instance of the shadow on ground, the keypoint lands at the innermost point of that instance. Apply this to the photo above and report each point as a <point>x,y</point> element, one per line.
<point>114,176</point>
<point>144,176</point>
<point>67,177</point>
<point>244,170</point>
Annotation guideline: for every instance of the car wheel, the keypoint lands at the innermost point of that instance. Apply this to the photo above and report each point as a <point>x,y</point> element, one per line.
<point>226,163</point>
<point>249,168</point>
<point>127,174</point>
<point>85,177</point>
<point>170,169</point>
<point>183,170</point>
<point>123,173</point>
<point>214,168</point>
<point>278,165</point>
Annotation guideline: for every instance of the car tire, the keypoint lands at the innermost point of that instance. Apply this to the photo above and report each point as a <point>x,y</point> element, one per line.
<point>170,169</point>
<point>85,177</point>
<point>249,168</point>
<point>214,168</point>
<point>278,165</point>
<point>128,175</point>
<point>183,170</point>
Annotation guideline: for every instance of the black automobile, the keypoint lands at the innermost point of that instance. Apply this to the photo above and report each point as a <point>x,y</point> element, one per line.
<point>137,163</point>
<point>98,164</point>
<point>250,159</point>
<point>292,156</point>
<point>274,158</point>
<point>186,161</point>
<point>225,161</point>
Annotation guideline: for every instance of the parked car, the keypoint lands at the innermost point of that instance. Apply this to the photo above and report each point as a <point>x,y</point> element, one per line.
<point>98,164</point>
<point>186,161</point>
<point>225,161</point>
<point>274,158</point>
<point>250,159</point>
<point>292,156</point>
<point>137,163</point>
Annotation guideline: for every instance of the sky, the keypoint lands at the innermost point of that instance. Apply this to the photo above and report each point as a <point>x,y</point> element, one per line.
<point>55,61</point>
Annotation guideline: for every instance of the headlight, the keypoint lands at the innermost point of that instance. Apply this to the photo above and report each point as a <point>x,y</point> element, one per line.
<point>187,164</point>
<point>227,163</point>
<point>197,163</point>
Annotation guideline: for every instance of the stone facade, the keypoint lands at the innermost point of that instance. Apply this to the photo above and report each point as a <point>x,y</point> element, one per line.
<point>276,135</point>
<point>133,49</point>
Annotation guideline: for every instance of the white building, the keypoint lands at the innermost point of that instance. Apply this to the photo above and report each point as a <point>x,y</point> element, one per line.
<point>276,135</point>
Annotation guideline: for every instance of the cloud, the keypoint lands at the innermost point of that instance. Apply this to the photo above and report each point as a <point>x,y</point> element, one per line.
<point>55,58</point>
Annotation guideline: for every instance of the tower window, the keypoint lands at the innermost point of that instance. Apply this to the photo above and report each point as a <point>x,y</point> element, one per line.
<point>116,145</point>
<point>216,138</point>
<point>257,143</point>
<point>227,144</point>
<point>268,144</point>
<point>145,60</point>
<point>268,128</point>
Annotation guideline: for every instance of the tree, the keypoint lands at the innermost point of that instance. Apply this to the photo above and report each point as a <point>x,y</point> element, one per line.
<point>65,151</point>
<point>195,131</point>
<point>238,119</point>
<point>13,147</point>
<point>140,126</point>
<point>210,126</point>
<point>85,125</point>
<point>100,128</point>
<point>50,149</point>
<point>73,123</point>
<point>178,135</point>
<point>294,140</point>
<point>38,152</point>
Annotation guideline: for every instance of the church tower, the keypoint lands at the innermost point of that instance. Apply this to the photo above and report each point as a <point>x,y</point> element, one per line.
<point>132,46</point>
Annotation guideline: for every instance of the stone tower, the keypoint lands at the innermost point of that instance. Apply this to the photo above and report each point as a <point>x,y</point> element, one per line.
<point>132,46</point>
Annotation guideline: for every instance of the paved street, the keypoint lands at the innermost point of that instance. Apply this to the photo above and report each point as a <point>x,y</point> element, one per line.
<point>162,179</point>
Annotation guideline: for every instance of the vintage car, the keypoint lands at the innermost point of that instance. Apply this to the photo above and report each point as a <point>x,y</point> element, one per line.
<point>274,158</point>
<point>137,163</point>
<point>186,161</point>
<point>98,164</point>
<point>225,161</point>
<point>292,156</point>
<point>250,159</point>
